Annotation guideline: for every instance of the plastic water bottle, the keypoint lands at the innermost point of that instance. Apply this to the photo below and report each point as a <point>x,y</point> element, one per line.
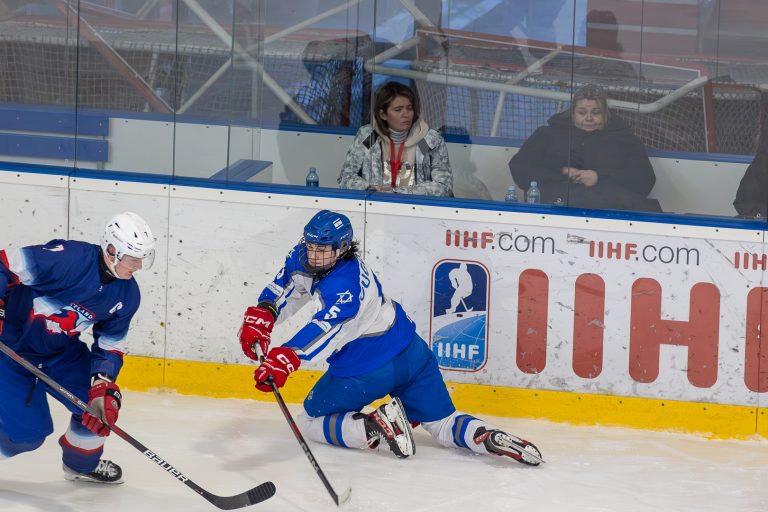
<point>511,196</point>
<point>313,180</point>
<point>533,195</point>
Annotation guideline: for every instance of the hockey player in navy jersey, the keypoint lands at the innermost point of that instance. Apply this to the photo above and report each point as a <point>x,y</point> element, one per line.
<point>372,349</point>
<point>49,294</point>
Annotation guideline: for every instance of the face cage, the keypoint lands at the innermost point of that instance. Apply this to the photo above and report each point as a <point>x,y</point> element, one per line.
<point>327,262</point>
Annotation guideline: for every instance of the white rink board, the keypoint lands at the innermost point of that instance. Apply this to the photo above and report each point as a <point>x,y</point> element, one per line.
<point>34,208</point>
<point>225,248</point>
<point>406,263</point>
<point>92,203</point>
<point>218,248</point>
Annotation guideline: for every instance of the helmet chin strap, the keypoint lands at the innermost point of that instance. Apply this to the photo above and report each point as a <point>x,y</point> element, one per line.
<point>111,265</point>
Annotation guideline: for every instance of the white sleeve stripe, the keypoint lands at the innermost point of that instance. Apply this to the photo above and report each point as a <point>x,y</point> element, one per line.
<point>282,300</point>
<point>379,333</point>
<point>322,347</point>
<point>113,344</point>
<point>18,265</point>
<point>322,339</point>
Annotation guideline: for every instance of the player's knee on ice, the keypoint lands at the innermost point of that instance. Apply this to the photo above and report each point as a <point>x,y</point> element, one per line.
<point>10,448</point>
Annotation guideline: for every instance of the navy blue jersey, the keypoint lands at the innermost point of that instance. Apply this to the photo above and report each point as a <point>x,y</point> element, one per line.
<point>53,292</point>
<point>354,324</point>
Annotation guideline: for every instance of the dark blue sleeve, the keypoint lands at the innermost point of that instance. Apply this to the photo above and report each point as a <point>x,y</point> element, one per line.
<point>110,335</point>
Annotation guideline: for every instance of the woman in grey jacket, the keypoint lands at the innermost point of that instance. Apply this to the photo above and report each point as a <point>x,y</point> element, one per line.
<point>398,152</point>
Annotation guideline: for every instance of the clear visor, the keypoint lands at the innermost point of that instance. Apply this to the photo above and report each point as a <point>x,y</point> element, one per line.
<point>136,263</point>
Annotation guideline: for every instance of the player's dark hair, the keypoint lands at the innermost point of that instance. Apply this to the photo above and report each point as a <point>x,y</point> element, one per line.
<point>352,252</point>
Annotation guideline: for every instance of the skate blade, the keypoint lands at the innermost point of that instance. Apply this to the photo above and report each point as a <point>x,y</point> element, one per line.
<point>525,454</point>
<point>85,478</point>
<point>405,439</point>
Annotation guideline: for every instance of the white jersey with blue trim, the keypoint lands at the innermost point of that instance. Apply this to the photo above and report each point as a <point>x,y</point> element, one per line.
<point>354,325</point>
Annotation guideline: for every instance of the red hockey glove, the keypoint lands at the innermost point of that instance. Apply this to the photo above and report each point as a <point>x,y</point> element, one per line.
<point>257,325</point>
<point>104,398</point>
<point>2,314</point>
<point>279,364</point>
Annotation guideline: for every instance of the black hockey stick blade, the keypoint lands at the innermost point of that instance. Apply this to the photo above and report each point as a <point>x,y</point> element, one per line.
<point>258,494</point>
<point>250,497</point>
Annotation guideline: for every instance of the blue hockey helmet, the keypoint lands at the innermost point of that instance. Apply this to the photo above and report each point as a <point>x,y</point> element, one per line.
<point>329,235</point>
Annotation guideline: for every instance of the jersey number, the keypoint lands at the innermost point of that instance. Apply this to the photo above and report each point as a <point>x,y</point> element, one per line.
<point>332,313</point>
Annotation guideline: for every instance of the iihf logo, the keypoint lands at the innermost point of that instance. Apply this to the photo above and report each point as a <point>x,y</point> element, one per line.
<point>458,328</point>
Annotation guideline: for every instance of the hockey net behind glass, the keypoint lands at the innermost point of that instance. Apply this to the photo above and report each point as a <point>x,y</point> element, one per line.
<point>42,62</point>
<point>723,116</point>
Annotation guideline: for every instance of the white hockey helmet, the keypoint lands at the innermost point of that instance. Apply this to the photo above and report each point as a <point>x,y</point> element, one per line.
<point>130,235</point>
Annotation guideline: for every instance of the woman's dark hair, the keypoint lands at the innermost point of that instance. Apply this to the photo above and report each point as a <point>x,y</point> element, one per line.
<point>385,95</point>
<point>594,93</point>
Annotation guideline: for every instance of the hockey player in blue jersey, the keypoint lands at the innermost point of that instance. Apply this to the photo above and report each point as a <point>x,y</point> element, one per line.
<point>372,349</point>
<point>49,294</point>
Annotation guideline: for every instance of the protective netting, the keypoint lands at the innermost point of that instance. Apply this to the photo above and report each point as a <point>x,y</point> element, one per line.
<point>45,64</point>
<point>337,90</point>
<point>725,117</point>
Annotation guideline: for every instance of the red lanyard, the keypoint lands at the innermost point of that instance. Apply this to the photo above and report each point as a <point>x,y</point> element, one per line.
<point>394,165</point>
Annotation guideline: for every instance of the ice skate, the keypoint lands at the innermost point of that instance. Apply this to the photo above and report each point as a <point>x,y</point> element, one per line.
<point>390,424</point>
<point>500,443</point>
<point>107,472</point>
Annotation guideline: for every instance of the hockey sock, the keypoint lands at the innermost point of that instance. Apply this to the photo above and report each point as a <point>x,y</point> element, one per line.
<point>81,449</point>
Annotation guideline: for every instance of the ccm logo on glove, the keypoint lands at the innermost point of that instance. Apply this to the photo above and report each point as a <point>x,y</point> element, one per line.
<point>279,364</point>
<point>257,326</point>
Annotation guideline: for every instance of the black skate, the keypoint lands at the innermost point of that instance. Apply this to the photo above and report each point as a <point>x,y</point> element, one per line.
<point>390,424</point>
<point>107,472</point>
<point>503,444</point>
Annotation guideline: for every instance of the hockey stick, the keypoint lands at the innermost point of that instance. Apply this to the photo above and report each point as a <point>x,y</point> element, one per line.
<point>258,494</point>
<point>338,499</point>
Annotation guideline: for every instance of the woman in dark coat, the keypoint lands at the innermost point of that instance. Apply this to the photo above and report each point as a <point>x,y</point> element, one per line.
<point>585,158</point>
<point>752,196</point>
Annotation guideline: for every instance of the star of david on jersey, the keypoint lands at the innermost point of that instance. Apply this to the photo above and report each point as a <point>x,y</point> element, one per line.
<point>345,297</point>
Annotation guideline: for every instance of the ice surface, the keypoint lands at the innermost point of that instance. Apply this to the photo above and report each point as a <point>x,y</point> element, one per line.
<point>227,446</point>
